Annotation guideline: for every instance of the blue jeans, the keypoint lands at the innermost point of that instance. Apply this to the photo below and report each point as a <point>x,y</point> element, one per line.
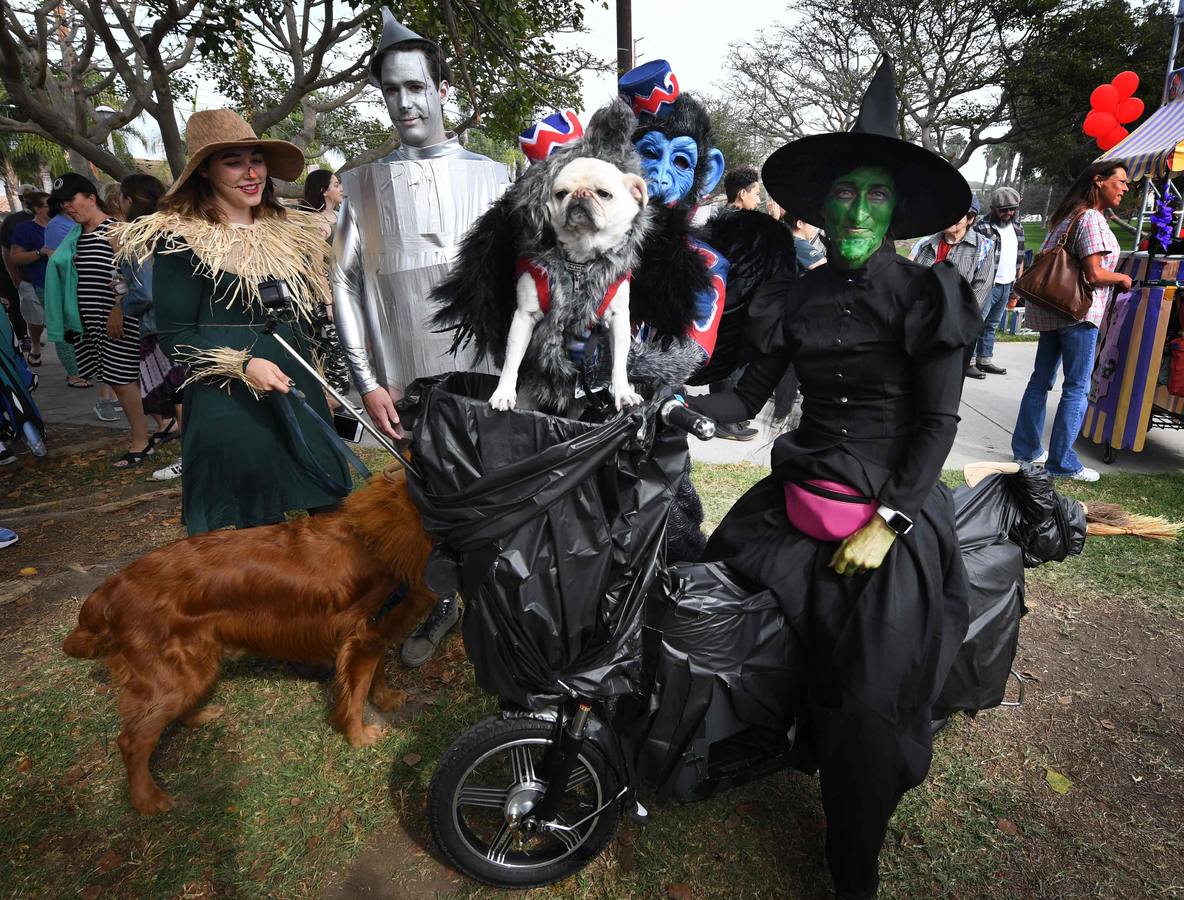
<point>1074,347</point>
<point>993,311</point>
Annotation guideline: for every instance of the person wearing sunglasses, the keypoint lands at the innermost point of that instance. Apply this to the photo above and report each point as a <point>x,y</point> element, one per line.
<point>1008,236</point>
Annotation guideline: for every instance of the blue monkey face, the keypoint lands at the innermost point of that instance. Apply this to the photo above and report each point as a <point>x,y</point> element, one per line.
<point>668,165</point>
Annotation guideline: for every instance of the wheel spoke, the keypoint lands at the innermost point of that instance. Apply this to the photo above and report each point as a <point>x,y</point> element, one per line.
<point>579,777</point>
<point>479,795</point>
<point>523,764</point>
<point>570,839</point>
<point>500,845</point>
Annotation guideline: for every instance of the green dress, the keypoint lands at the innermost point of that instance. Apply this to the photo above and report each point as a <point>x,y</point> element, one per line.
<point>241,467</point>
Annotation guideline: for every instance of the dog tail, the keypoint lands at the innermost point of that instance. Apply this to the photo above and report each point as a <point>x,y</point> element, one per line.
<point>92,636</point>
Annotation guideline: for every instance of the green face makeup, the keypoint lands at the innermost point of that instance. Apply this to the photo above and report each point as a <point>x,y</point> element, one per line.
<point>858,211</point>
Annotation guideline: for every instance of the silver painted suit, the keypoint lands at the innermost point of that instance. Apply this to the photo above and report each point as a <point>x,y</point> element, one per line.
<point>397,234</point>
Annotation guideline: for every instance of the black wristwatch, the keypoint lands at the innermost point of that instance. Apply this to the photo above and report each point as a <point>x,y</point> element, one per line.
<point>897,521</point>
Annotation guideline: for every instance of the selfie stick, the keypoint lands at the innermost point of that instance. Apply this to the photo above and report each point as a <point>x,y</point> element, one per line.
<point>357,413</point>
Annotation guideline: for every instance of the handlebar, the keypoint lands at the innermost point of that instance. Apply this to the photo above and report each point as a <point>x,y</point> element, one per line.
<point>678,415</point>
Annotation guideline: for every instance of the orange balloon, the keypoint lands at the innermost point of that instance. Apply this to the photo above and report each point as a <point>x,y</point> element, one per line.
<point>1129,110</point>
<point>1126,83</point>
<point>1112,138</point>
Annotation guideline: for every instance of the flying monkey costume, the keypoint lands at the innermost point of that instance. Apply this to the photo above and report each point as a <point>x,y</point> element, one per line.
<point>477,301</point>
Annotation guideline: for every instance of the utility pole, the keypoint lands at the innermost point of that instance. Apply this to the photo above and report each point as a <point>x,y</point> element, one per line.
<point>624,36</point>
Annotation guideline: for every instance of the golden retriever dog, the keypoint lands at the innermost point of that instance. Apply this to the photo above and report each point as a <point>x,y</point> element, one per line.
<point>313,590</point>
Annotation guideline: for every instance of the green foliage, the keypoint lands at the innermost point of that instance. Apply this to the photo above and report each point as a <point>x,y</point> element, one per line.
<point>1073,49</point>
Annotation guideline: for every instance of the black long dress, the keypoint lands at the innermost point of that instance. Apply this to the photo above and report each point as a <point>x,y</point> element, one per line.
<point>880,354</point>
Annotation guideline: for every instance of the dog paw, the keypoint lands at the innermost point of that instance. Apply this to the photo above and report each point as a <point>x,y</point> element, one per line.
<point>388,700</point>
<point>503,400</point>
<point>203,715</point>
<point>153,801</point>
<point>366,736</point>
<point>626,396</point>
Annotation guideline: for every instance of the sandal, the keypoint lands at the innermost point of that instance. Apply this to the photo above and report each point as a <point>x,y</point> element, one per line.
<point>170,432</point>
<point>132,458</point>
<point>78,382</point>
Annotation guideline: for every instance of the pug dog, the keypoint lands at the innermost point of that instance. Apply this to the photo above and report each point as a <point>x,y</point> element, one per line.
<point>598,216</point>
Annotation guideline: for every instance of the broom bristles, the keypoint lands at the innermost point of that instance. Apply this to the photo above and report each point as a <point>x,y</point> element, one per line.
<point>1105,519</point>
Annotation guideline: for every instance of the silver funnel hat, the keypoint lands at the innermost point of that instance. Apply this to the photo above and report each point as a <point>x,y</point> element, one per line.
<point>393,32</point>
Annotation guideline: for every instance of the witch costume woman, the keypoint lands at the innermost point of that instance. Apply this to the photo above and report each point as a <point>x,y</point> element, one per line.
<point>879,344</point>
<point>249,456</point>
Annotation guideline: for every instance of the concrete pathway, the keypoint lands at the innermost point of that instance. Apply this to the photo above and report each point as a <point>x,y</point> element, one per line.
<point>988,414</point>
<point>989,409</point>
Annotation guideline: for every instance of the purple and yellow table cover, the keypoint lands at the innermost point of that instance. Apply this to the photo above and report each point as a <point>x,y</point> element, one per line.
<point>1125,382</point>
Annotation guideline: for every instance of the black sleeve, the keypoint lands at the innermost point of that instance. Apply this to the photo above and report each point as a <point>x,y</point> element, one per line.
<point>937,331</point>
<point>756,386</point>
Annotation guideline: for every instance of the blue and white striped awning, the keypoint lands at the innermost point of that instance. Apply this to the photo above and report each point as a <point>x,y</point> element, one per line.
<point>1156,147</point>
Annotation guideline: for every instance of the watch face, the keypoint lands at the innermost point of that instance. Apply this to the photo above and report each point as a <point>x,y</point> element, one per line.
<point>900,523</point>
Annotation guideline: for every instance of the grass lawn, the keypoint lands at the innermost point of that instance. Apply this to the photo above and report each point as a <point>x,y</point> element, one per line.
<point>274,803</point>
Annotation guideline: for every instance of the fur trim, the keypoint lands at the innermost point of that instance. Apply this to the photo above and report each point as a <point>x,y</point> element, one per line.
<point>292,249</point>
<point>669,276</point>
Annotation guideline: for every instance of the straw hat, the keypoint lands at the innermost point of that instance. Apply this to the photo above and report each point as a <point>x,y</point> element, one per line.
<point>212,130</point>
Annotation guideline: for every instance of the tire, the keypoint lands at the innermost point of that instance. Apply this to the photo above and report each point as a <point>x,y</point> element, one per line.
<point>471,834</point>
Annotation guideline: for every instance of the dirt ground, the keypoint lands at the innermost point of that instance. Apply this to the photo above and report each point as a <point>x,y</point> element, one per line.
<point>1101,721</point>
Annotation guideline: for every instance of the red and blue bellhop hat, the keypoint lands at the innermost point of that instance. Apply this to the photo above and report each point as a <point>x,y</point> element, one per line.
<point>549,134</point>
<point>651,88</point>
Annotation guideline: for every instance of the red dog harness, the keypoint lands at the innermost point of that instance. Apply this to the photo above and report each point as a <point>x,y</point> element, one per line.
<point>542,284</point>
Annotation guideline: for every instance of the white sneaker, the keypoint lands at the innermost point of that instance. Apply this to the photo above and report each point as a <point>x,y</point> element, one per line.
<point>1085,473</point>
<point>169,472</point>
<point>1038,461</point>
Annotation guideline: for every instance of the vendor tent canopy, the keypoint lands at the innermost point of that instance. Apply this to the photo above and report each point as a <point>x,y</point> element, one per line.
<point>1156,147</point>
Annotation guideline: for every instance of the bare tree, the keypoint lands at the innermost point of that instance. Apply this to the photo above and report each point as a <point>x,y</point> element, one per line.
<point>292,68</point>
<point>950,56</point>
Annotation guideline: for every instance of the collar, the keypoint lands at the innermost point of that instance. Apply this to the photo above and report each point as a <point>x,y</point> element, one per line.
<point>873,268</point>
<point>450,146</point>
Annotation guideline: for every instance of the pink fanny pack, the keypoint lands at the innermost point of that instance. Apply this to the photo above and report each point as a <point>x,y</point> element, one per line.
<point>827,510</point>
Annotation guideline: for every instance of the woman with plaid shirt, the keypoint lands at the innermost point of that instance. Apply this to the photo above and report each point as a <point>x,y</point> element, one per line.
<point>1063,341</point>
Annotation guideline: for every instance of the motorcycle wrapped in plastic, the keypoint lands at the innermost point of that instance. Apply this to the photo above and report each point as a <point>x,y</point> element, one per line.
<point>551,529</point>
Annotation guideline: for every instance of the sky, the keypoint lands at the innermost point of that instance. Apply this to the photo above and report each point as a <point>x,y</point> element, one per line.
<point>695,41</point>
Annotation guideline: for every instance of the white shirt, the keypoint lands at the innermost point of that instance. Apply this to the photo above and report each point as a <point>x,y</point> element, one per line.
<point>1005,271</point>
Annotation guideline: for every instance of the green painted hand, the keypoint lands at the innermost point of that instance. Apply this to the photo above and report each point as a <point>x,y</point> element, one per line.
<point>865,549</point>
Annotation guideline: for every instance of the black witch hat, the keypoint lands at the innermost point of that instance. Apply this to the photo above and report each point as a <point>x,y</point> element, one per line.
<point>930,193</point>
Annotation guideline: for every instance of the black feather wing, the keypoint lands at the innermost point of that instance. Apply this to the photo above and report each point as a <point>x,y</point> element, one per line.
<point>477,299</point>
<point>668,277</point>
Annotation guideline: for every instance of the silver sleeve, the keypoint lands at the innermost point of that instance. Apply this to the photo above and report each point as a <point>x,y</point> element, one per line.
<point>349,298</point>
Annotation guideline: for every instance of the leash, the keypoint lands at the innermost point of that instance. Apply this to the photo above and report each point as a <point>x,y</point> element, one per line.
<point>288,404</point>
<point>390,603</point>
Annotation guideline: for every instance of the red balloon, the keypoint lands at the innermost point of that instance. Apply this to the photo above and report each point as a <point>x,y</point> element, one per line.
<point>1112,138</point>
<point>1126,83</point>
<point>1099,123</point>
<point>1104,98</point>
<point>1129,110</point>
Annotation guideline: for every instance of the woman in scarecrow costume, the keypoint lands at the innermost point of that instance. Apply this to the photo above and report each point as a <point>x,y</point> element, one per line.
<point>879,344</point>
<point>219,235</point>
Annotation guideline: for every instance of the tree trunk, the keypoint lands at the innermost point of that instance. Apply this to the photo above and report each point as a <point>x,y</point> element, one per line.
<point>12,186</point>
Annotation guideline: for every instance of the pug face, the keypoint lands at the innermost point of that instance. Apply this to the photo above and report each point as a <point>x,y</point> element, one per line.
<point>592,207</point>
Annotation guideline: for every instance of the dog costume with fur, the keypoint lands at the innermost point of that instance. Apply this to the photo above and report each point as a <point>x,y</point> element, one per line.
<point>479,299</point>
<point>336,588</point>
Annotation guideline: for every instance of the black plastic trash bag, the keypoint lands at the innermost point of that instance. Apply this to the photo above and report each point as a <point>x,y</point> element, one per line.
<point>1004,523</point>
<point>719,685</point>
<point>552,530</point>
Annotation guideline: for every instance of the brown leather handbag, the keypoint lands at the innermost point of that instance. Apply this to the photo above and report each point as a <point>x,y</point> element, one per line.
<point>1055,280</point>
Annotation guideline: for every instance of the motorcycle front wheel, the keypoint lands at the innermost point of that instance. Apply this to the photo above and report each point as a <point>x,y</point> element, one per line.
<point>484,789</point>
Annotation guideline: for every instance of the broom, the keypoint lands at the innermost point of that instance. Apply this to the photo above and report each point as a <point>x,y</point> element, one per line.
<point>1110,518</point>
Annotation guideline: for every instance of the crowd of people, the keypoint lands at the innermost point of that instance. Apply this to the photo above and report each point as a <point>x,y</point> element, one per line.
<point>162,300</point>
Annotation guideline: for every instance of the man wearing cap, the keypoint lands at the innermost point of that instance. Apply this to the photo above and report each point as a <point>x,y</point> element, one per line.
<point>969,250</point>
<point>397,233</point>
<point>1001,226</point>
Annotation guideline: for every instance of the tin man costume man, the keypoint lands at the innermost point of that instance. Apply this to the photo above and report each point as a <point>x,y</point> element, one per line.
<point>397,233</point>
<point>400,224</point>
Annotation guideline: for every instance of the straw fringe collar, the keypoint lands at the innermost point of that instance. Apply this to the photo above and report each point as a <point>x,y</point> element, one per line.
<point>292,248</point>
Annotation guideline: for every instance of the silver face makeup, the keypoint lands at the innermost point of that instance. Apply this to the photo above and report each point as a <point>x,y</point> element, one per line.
<point>415,104</point>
